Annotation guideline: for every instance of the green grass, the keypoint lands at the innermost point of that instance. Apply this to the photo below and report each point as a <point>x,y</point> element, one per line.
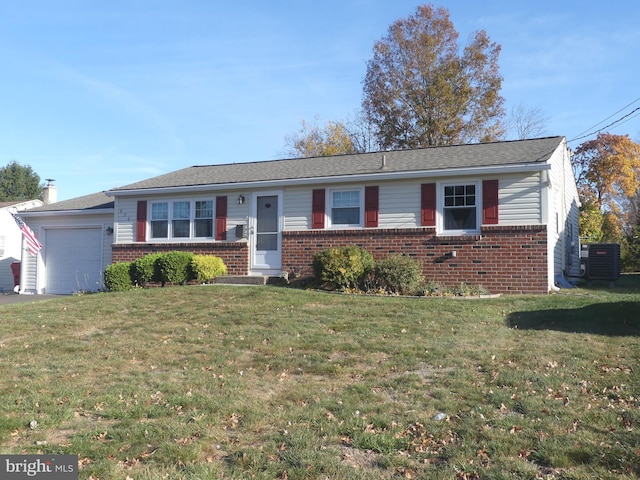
<point>267,382</point>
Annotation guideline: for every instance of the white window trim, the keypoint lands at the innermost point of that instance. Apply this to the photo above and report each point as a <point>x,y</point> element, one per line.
<point>170,219</point>
<point>329,208</point>
<point>440,207</point>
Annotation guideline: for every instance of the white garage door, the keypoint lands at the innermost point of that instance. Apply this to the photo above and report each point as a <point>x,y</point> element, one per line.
<point>73,260</point>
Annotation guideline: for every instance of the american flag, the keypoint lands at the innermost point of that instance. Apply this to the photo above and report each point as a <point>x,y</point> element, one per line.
<point>33,244</point>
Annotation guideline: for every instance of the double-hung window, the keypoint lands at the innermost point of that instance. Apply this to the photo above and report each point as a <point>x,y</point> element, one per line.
<point>204,219</point>
<point>346,207</point>
<point>460,212</point>
<point>160,220</point>
<point>183,219</point>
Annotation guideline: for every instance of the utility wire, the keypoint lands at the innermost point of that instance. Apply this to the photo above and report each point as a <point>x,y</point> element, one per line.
<point>606,126</point>
<point>630,118</point>
<point>610,116</point>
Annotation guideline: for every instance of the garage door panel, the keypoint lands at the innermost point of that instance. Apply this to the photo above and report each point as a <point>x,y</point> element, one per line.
<point>73,260</point>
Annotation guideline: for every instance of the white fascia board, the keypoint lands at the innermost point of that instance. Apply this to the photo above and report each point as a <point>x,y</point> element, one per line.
<point>60,213</point>
<point>367,177</point>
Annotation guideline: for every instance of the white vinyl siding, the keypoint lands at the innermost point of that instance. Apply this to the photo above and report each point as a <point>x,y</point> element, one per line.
<point>399,205</point>
<point>125,215</point>
<point>297,208</point>
<point>555,226</point>
<point>563,217</point>
<point>520,200</point>
<point>520,203</point>
<point>236,214</point>
<point>126,212</point>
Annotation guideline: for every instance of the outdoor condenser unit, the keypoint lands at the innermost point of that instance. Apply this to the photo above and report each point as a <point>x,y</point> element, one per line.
<point>603,262</point>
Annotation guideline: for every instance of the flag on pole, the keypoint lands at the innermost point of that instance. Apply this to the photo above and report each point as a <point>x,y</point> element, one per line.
<point>33,244</point>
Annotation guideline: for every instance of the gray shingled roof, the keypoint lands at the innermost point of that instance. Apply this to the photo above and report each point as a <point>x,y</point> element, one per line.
<point>424,159</point>
<point>94,201</point>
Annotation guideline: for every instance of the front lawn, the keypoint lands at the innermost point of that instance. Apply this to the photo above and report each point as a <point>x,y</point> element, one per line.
<point>219,381</point>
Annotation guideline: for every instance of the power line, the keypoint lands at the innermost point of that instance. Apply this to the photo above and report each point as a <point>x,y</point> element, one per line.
<point>607,126</point>
<point>610,116</point>
<point>630,118</point>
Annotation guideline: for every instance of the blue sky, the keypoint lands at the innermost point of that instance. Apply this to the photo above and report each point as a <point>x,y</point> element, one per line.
<point>101,94</point>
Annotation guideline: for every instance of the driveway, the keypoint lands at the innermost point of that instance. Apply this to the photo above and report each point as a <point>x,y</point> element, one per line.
<point>7,298</point>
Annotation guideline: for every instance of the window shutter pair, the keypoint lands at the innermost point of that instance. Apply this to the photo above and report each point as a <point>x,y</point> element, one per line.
<point>318,202</point>
<point>221,220</point>
<point>489,203</point>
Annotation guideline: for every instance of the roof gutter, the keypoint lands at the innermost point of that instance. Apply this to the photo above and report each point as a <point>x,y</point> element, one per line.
<point>55,213</point>
<point>386,175</point>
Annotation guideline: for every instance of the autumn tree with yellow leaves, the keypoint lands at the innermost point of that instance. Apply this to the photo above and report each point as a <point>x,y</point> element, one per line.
<point>311,140</point>
<point>607,171</point>
<point>421,90</point>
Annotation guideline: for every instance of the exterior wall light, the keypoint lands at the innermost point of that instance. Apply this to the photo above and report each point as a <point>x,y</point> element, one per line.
<point>240,199</point>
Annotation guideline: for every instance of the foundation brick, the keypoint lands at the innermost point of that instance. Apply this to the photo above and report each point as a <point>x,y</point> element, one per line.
<point>488,259</point>
<point>235,255</point>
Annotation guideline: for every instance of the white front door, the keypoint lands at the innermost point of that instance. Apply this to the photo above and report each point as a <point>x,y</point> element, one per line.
<point>266,238</point>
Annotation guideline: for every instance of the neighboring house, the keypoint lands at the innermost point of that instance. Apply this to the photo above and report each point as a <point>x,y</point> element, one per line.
<point>76,235</point>
<point>11,240</point>
<point>503,215</point>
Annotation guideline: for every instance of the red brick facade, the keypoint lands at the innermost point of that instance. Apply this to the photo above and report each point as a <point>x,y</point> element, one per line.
<point>500,259</point>
<point>235,255</point>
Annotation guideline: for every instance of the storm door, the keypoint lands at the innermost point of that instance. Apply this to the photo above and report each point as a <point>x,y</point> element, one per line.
<point>267,239</point>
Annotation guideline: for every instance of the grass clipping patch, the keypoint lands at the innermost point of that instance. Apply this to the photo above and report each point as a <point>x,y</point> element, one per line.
<point>263,382</point>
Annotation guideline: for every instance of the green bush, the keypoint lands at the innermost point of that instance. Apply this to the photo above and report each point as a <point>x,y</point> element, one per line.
<point>399,274</point>
<point>175,267</point>
<point>342,267</point>
<point>117,277</point>
<point>207,267</point>
<point>145,269</point>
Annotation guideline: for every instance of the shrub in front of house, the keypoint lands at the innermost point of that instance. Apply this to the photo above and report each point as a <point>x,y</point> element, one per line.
<point>117,277</point>
<point>175,267</point>
<point>206,268</point>
<point>145,269</point>
<point>400,275</point>
<point>343,267</point>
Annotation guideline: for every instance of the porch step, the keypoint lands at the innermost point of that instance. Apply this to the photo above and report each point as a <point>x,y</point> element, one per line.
<point>243,279</point>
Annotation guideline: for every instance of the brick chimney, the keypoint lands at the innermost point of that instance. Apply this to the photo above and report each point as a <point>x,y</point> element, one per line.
<point>49,192</point>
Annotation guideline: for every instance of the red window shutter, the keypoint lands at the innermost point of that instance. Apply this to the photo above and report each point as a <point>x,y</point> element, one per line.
<point>141,221</point>
<point>221,218</point>
<point>371,206</point>
<point>490,202</point>
<point>428,205</point>
<point>317,208</point>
